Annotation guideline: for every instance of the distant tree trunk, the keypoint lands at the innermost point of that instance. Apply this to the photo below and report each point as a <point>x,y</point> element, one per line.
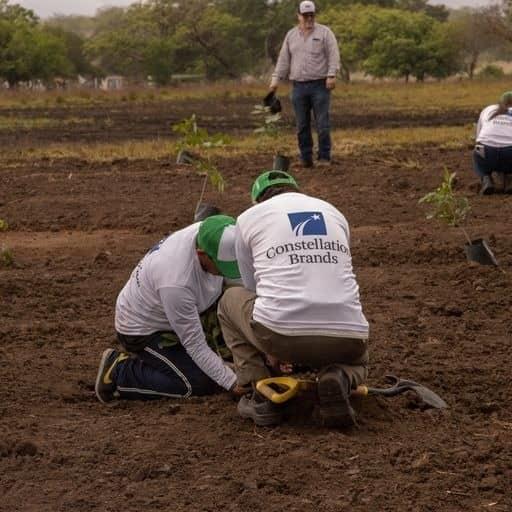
<point>472,64</point>
<point>213,52</point>
<point>345,72</point>
<point>271,48</point>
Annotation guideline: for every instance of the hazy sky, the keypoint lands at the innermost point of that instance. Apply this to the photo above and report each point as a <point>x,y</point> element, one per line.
<point>46,8</point>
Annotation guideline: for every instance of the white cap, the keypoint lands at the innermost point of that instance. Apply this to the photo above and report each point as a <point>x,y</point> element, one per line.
<point>307,6</point>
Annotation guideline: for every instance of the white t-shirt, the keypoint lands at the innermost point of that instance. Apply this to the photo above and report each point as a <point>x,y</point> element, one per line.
<point>496,132</point>
<point>293,250</point>
<point>167,290</point>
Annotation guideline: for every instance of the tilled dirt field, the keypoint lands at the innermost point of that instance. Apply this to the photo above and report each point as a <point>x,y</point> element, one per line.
<point>76,231</point>
<point>153,119</point>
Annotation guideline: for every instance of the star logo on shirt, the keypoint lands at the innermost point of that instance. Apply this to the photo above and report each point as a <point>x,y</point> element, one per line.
<point>307,223</point>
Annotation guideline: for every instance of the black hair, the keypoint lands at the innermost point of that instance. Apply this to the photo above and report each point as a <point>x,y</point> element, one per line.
<point>501,110</point>
<point>275,190</point>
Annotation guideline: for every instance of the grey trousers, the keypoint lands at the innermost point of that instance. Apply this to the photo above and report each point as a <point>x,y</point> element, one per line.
<point>249,341</point>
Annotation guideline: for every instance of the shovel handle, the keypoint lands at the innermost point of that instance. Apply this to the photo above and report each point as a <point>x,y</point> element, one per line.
<point>288,387</point>
<point>360,391</point>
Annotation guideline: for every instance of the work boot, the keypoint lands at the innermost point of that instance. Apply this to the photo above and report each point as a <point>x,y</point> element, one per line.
<point>105,386</point>
<point>260,410</point>
<point>334,395</point>
<point>487,185</point>
<point>507,183</point>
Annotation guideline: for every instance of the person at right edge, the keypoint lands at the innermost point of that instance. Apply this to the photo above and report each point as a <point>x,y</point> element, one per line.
<point>310,58</point>
<point>300,300</point>
<point>493,149</point>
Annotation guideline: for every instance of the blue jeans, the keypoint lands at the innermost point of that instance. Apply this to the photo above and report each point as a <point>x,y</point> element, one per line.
<point>307,96</point>
<point>487,159</point>
<point>156,370</point>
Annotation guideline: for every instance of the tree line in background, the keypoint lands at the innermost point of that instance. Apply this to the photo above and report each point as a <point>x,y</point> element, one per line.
<point>228,38</point>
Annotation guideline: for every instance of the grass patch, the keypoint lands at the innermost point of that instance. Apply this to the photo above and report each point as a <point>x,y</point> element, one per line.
<point>131,150</point>
<point>364,97</point>
<point>73,98</point>
<point>354,141</point>
<point>11,123</point>
<point>345,142</point>
<point>419,97</point>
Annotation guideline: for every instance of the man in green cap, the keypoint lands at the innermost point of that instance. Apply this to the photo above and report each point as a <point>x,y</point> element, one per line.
<point>493,148</point>
<point>159,315</point>
<point>300,299</point>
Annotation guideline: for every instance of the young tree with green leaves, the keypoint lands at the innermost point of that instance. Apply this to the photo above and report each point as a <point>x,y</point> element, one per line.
<point>391,42</point>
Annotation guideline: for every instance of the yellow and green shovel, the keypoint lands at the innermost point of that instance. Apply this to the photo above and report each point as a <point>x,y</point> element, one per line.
<point>282,389</point>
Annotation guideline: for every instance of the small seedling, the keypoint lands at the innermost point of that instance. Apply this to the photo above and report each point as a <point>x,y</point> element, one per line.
<point>193,137</point>
<point>269,126</point>
<point>6,258</point>
<point>447,207</point>
<point>3,225</point>
<point>269,123</point>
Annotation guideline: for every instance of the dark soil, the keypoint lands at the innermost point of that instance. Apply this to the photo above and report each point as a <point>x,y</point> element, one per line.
<point>76,231</point>
<point>152,119</point>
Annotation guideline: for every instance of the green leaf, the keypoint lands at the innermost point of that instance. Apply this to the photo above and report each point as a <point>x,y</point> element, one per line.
<point>446,206</point>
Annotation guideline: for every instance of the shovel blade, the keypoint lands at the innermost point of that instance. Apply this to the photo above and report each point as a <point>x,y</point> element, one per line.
<point>427,396</point>
<point>401,385</point>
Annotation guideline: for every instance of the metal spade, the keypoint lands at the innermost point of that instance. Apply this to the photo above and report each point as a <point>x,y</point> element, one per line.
<point>282,389</point>
<point>427,396</point>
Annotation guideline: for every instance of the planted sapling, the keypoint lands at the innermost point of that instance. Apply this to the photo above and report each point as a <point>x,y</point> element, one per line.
<point>446,206</point>
<point>269,130</point>
<point>453,210</point>
<point>194,138</point>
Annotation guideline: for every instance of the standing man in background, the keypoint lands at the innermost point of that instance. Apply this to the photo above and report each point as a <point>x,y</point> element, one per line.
<point>310,58</point>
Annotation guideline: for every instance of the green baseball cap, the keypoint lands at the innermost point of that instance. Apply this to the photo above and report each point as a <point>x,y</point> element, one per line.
<point>269,179</point>
<point>506,98</point>
<point>216,238</point>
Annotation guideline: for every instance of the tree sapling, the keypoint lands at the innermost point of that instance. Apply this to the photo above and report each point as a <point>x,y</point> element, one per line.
<point>270,130</point>
<point>453,210</point>
<point>193,137</point>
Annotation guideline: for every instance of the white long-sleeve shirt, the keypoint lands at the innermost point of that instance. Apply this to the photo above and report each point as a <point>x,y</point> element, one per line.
<point>307,57</point>
<point>167,291</point>
<point>495,132</point>
<point>293,251</point>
